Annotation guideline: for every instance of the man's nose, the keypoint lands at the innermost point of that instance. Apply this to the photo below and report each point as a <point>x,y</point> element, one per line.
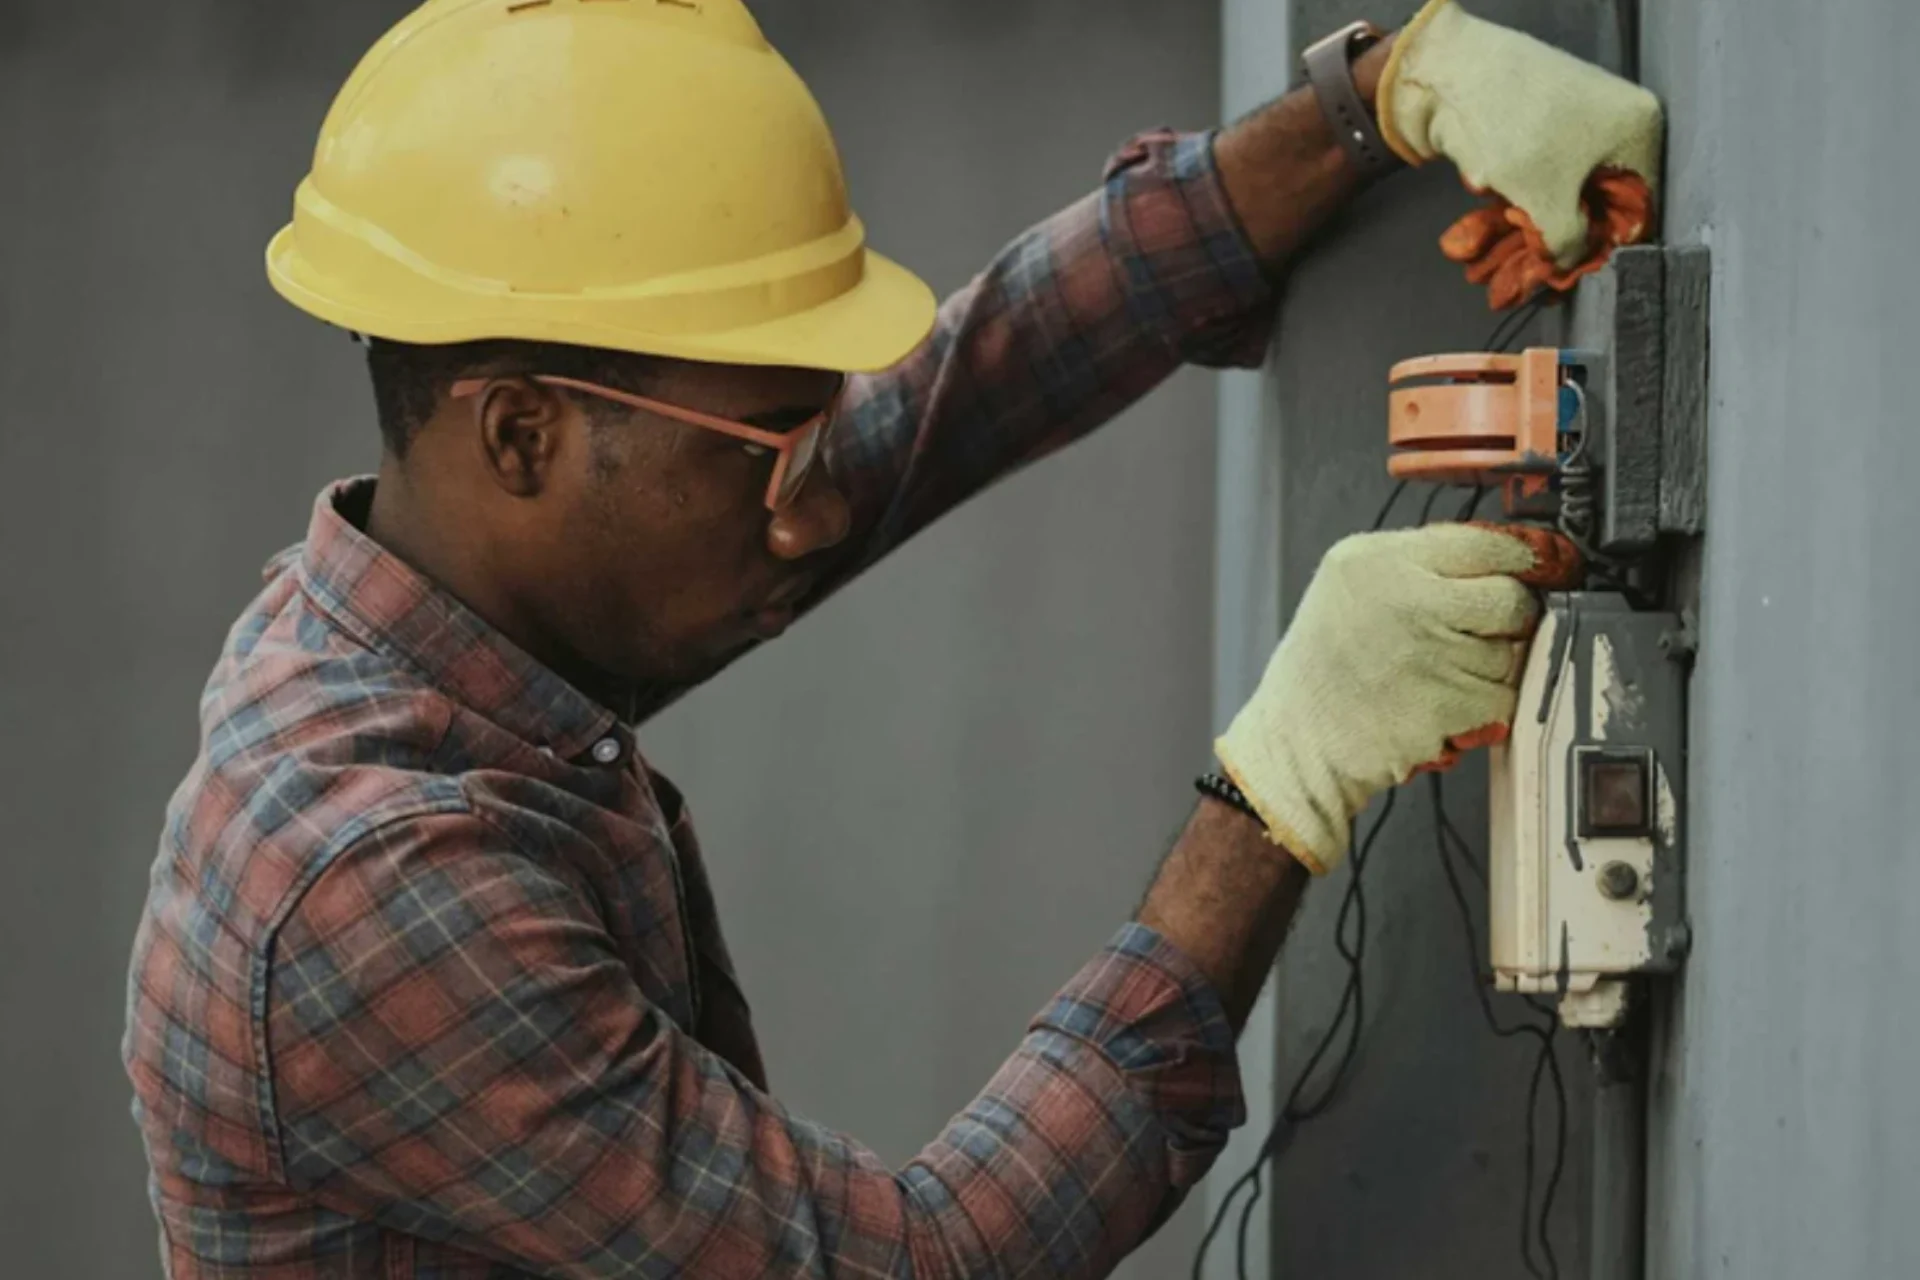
<point>818,518</point>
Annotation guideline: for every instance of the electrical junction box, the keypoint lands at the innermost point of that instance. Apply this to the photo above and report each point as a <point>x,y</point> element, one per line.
<point>1587,813</point>
<point>1604,432</point>
<point>1602,436</point>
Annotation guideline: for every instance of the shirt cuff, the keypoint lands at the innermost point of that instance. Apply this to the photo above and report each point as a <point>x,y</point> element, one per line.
<point>1144,1006</point>
<point>1187,267</point>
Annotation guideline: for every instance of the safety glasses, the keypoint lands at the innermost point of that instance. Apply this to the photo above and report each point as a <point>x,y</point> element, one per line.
<point>795,449</point>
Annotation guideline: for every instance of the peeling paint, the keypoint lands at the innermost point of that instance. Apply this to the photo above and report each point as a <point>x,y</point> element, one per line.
<point>1614,699</point>
<point>1666,813</point>
<point>1606,676</point>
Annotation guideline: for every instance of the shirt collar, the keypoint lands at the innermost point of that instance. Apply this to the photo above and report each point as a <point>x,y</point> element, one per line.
<point>393,608</point>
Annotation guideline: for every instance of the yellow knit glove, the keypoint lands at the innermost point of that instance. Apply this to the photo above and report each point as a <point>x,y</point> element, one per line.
<point>1519,118</point>
<point>1405,648</point>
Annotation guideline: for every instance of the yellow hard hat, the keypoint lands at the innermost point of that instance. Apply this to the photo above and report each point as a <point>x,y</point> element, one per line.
<point>641,175</point>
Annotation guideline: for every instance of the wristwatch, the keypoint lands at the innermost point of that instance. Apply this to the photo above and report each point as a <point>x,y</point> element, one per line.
<point>1329,67</point>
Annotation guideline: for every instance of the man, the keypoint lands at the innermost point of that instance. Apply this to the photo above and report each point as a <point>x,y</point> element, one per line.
<point>429,981</point>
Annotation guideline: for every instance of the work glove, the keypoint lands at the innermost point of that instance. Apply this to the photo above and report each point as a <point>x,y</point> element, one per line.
<point>1404,652</point>
<point>1570,153</point>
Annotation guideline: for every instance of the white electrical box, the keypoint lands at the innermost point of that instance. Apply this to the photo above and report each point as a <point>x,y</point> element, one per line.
<point>1587,808</point>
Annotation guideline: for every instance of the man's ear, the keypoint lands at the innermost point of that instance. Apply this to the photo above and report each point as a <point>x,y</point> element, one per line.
<point>522,427</point>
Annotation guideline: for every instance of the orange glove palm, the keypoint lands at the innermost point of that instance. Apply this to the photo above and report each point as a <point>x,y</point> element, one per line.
<point>1502,249</point>
<point>1571,152</point>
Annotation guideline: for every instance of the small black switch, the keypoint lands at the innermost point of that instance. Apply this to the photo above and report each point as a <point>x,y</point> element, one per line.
<point>1615,794</point>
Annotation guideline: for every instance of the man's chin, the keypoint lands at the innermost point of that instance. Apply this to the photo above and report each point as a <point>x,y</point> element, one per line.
<point>711,661</point>
<point>696,660</point>
<point>714,664</point>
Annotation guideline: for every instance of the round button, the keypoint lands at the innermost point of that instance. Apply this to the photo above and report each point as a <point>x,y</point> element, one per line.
<point>607,750</point>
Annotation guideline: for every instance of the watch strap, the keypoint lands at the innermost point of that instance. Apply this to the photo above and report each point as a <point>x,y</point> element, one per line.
<point>1329,68</point>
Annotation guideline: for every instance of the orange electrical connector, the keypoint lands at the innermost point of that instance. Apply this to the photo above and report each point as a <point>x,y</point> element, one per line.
<point>1477,419</point>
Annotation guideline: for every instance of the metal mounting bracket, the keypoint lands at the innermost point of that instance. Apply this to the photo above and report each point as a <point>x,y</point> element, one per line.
<point>1646,310</point>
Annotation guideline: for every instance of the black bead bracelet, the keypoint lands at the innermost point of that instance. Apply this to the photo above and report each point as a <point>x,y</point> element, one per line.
<point>1221,788</point>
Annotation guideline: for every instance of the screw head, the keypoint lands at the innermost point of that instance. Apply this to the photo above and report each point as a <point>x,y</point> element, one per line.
<point>1619,881</point>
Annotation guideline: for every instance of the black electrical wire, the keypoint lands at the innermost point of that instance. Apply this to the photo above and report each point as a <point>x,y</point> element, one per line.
<point>1353,908</point>
<point>1426,508</point>
<point>1534,1232</point>
<point>1504,331</point>
<point>1348,1016</point>
<point>1472,504</point>
<point>1350,1013</point>
<point>1451,844</point>
<point>1386,508</point>
<point>1515,322</point>
<point>1460,845</point>
<point>1546,1062</point>
<point>1352,1009</point>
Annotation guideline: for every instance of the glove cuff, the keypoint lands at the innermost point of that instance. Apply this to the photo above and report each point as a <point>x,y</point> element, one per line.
<point>1405,109</point>
<point>1268,784</point>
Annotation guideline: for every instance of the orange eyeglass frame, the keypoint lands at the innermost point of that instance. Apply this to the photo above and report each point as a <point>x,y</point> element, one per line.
<point>795,449</point>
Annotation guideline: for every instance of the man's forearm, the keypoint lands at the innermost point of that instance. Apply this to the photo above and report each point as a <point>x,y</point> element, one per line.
<point>1284,171</point>
<point>1224,897</point>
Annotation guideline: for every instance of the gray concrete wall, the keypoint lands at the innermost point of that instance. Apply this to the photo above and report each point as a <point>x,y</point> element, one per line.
<point>923,809</point>
<point>1787,1126</point>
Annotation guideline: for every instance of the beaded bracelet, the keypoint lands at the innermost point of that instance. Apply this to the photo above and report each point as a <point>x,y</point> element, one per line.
<point>1222,789</point>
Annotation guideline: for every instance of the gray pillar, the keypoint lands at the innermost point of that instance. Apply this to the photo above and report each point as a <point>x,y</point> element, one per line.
<point>1417,1171</point>
<point>1786,1128</point>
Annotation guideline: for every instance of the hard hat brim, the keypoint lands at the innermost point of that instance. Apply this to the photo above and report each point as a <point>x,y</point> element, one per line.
<point>870,327</point>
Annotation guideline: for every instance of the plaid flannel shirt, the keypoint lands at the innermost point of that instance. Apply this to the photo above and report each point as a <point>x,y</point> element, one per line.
<point>429,981</point>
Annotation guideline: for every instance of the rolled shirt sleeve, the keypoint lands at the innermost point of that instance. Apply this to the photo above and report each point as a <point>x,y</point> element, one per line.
<point>1072,322</point>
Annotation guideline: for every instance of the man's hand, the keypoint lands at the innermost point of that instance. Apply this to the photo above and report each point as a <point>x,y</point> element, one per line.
<point>1571,153</point>
<point>1405,650</point>
<point>1404,653</point>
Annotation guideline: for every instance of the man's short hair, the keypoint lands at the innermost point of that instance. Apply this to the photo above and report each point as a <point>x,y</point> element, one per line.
<point>410,378</point>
